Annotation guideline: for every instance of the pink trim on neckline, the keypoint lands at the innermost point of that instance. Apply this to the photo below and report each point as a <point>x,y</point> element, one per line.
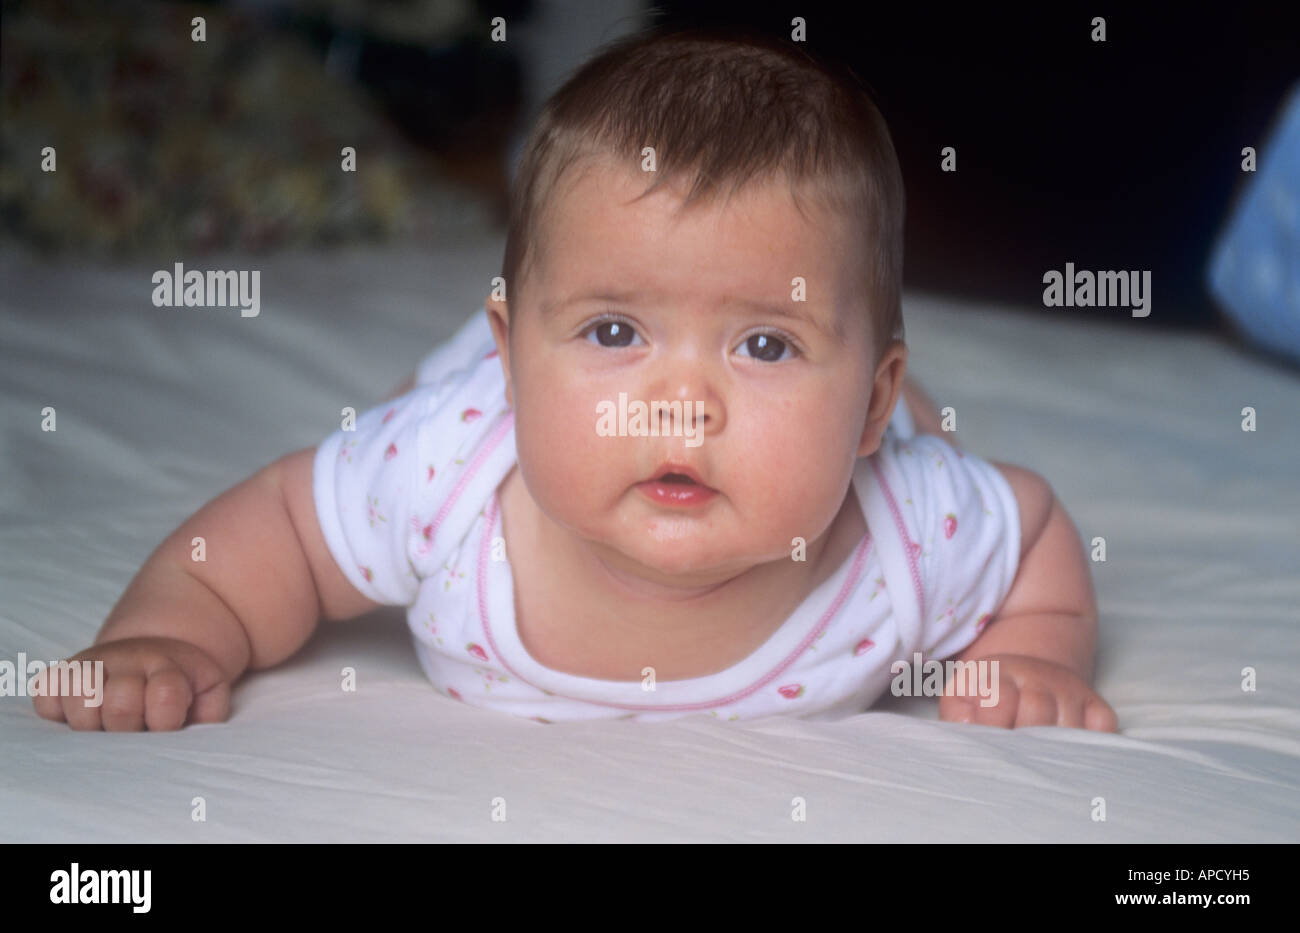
<point>855,574</point>
<point>897,515</point>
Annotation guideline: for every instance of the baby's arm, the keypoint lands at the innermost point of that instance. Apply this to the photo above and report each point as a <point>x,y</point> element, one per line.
<point>184,631</point>
<point>1045,633</point>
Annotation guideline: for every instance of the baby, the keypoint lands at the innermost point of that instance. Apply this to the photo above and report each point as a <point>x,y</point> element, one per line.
<point>666,470</point>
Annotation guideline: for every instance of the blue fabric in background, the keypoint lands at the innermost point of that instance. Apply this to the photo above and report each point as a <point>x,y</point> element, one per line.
<point>1254,271</point>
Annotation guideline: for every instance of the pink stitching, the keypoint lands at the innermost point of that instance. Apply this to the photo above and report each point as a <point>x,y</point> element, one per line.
<point>855,573</point>
<point>493,439</point>
<point>902,533</point>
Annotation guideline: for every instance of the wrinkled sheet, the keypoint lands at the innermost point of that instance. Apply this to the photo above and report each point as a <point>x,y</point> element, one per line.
<point>160,409</point>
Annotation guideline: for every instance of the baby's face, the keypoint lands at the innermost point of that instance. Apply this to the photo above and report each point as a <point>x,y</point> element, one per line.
<point>702,312</point>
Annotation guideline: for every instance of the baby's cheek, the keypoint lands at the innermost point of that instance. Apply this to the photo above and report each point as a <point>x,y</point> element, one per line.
<point>565,462</point>
<point>797,461</point>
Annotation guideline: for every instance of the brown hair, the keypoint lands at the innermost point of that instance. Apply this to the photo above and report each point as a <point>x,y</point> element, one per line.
<point>723,109</point>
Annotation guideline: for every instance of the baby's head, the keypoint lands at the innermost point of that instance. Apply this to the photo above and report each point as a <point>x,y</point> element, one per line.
<point>716,222</point>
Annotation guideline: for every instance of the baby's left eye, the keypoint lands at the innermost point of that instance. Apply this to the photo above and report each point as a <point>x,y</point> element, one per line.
<point>611,333</point>
<point>768,348</point>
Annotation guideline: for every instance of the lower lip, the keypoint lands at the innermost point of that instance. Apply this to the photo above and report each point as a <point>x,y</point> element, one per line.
<point>684,495</point>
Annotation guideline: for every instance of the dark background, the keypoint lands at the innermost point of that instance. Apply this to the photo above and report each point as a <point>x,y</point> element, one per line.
<point>1116,155</point>
<point>1120,155</point>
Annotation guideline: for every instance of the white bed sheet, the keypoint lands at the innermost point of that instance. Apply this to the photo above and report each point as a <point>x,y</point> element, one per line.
<point>160,409</point>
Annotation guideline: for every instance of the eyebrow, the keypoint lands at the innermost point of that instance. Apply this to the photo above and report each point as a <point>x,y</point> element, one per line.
<point>789,310</point>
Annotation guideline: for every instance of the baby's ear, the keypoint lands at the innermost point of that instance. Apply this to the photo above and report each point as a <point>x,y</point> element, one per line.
<point>873,432</point>
<point>498,313</point>
<point>886,394</point>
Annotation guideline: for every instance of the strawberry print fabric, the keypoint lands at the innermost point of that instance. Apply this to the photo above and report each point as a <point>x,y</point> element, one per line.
<point>407,505</point>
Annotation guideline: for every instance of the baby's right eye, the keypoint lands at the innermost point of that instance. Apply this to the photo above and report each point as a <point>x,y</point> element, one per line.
<point>612,333</point>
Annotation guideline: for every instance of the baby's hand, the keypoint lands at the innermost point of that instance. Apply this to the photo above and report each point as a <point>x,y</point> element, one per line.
<point>148,683</point>
<point>1032,692</point>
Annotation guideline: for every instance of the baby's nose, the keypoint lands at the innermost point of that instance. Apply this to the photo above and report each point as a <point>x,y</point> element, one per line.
<point>685,411</point>
<point>696,418</point>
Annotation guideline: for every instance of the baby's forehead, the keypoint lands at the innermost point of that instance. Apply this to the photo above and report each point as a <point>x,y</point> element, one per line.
<point>629,182</point>
<point>765,211</point>
<point>597,211</point>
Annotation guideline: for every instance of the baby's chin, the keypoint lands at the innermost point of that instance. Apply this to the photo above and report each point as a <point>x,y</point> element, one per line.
<point>691,548</point>
<point>686,559</point>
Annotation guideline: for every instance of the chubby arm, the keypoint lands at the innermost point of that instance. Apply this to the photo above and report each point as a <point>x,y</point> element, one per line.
<point>1042,642</point>
<point>267,581</point>
<point>1051,611</point>
<point>337,597</point>
<point>184,631</point>
<point>1045,634</point>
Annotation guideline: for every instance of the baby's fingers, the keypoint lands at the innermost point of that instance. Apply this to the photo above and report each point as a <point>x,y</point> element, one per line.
<point>167,698</point>
<point>46,706</point>
<point>1081,709</point>
<point>1038,708</point>
<point>78,710</point>
<point>972,709</point>
<point>123,709</point>
<point>1099,716</point>
<point>212,705</point>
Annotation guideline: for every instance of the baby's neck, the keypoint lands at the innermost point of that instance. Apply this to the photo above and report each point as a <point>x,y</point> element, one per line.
<point>682,629</point>
<point>637,587</point>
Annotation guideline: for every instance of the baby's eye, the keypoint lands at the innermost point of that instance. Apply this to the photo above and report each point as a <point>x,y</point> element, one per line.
<point>613,334</point>
<point>766,347</point>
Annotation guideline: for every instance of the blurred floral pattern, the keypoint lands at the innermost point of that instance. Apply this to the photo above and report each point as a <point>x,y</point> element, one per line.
<point>167,143</point>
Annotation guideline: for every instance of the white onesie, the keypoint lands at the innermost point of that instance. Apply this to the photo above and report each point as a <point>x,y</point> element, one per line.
<point>407,504</point>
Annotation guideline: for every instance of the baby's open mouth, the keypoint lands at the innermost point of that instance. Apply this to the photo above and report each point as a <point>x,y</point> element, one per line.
<point>678,490</point>
<point>677,478</point>
<point>676,473</point>
<point>678,485</point>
